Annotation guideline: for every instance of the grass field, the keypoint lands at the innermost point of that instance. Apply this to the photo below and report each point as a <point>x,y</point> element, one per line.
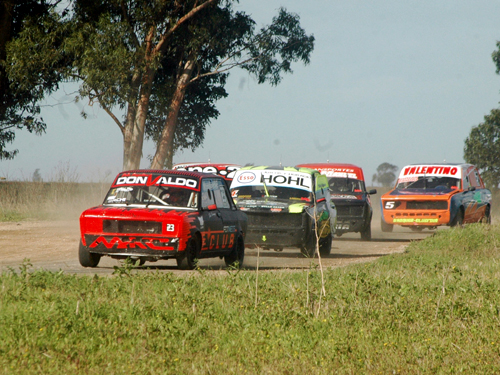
<point>434,309</point>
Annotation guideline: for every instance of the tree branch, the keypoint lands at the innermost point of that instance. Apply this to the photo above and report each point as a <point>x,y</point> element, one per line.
<point>162,43</point>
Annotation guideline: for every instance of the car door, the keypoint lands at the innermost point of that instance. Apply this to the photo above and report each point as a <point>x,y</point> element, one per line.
<point>472,197</point>
<point>229,215</point>
<point>220,220</point>
<point>326,213</point>
<point>212,218</point>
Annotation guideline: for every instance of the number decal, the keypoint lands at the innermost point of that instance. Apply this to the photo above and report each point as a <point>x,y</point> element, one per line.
<point>389,205</point>
<point>170,227</point>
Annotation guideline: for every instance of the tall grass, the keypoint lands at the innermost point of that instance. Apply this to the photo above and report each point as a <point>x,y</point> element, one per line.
<point>48,200</point>
<point>433,309</point>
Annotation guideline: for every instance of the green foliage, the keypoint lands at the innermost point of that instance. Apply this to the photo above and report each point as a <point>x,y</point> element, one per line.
<point>433,309</point>
<point>386,174</point>
<point>18,102</point>
<point>131,56</point>
<point>482,148</point>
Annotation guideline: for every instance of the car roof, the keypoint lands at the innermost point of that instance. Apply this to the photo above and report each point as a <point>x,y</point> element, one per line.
<point>281,168</point>
<point>324,168</point>
<point>201,164</point>
<point>198,175</point>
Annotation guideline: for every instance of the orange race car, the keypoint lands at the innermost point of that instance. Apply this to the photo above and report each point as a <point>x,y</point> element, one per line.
<point>430,195</point>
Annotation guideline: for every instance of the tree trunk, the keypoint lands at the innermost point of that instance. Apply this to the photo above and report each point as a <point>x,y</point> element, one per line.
<point>164,150</point>
<point>133,136</point>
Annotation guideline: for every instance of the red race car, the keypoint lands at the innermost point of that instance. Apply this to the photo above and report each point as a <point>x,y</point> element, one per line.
<point>149,215</point>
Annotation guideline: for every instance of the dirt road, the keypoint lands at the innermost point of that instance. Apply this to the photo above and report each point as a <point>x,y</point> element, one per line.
<point>53,245</point>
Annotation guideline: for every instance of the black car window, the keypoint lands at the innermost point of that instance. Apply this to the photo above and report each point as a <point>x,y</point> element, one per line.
<point>208,186</point>
<point>221,197</point>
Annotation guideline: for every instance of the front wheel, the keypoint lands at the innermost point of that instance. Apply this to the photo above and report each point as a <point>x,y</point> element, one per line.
<point>235,258</point>
<point>86,258</point>
<point>189,260</point>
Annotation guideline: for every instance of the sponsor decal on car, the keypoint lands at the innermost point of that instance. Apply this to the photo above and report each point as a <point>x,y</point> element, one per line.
<point>298,180</point>
<point>414,220</point>
<point>246,177</point>
<point>430,170</point>
<point>222,170</point>
<point>147,180</point>
<point>132,243</point>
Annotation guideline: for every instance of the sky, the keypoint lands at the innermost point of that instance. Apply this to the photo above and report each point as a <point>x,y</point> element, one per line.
<point>393,81</point>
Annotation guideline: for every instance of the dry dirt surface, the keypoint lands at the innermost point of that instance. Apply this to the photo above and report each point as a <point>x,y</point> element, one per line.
<point>53,246</point>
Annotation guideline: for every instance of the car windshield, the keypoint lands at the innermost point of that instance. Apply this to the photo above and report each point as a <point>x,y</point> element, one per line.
<point>429,182</point>
<point>152,196</point>
<point>278,192</point>
<point>345,185</point>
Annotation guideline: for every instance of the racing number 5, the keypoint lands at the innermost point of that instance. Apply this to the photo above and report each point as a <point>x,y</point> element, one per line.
<point>389,205</point>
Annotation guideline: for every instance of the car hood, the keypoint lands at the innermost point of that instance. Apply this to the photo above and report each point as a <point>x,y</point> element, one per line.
<point>271,205</point>
<point>421,193</point>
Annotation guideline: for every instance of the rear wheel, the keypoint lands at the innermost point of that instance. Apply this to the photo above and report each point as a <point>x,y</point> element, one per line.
<point>86,258</point>
<point>325,246</point>
<point>458,221</point>
<point>309,248</point>
<point>366,232</point>
<point>385,227</point>
<point>235,258</point>
<point>487,216</point>
<point>189,259</point>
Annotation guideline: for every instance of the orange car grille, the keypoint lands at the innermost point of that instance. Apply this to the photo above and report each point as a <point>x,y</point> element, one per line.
<point>426,205</point>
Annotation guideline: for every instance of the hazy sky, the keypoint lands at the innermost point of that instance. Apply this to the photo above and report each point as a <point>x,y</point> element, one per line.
<point>389,81</point>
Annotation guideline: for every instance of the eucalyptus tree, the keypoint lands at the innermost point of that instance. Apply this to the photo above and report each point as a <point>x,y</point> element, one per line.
<point>18,103</point>
<point>162,64</point>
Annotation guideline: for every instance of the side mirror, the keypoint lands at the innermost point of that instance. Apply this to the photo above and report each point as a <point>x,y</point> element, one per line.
<point>372,191</point>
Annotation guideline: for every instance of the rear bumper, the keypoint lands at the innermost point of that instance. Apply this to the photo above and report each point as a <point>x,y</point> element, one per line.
<point>352,217</point>
<point>273,230</point>
<point>417,217</point>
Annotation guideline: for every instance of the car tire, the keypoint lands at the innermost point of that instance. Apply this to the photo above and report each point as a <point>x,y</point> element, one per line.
<point>237,254</point>
<point>386,228</point>
<point>86,258</point>
<point>366,232</point>
<point>325,246</point>
<point>189,260</point>
<point>487,216</point>
<point>309,248</point>
<point>458,221</point>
